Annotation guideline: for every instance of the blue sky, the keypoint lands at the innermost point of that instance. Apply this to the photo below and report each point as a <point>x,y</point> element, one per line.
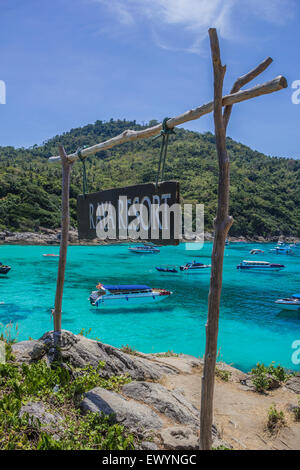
<point>67,63</point>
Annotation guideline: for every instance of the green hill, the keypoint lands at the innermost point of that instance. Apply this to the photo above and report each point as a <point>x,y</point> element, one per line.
<point>265,191</point>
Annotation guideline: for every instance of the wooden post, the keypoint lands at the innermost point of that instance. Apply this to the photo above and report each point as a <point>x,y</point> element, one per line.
<point>65,220</point>
<point>222,225</point>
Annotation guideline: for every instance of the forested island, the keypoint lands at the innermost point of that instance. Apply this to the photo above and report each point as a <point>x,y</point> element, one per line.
<point>265,191</point>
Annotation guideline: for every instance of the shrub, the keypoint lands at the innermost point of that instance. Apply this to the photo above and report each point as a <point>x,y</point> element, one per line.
<point>259,377</point>
<point>275,419</point>
<point>223,374</point>
<point>167,354</point>
<point>59,388</point>
<point>262,376</point>
<point>296,411</point>
<point>129,350</point>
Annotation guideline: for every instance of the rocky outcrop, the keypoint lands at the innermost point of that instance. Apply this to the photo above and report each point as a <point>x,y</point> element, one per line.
<point>136,417</point>
<point>294,384</point>
<point>79,351</point>
<point>29,351</point>
<point>151,412</point>
<point>171,403</point>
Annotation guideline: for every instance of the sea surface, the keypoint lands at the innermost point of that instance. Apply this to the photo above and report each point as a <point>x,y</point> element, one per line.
<point>252,328</point>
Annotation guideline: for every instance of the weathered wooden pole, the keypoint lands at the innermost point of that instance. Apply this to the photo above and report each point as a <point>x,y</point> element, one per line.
<point>65,221</point>
<point>222,225</point>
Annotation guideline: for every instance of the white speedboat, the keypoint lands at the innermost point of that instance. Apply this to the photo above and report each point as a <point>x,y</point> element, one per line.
<point>116,295</point>
<point>292,303</point>
<point>144,249</point>
<point>282,250</point>
<point>194,268</point>
<point>259,266</point>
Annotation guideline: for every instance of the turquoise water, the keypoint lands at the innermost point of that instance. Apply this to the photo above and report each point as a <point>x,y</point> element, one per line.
<point>252,328</point>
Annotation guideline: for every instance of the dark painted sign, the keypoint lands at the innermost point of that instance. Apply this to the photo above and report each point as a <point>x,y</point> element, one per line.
<point>140,212</point>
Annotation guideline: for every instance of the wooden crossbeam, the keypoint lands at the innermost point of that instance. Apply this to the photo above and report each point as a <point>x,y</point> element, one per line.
<point>129,135</point>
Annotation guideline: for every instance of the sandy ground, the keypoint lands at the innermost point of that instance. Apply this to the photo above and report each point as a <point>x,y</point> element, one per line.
<point>239,413</point>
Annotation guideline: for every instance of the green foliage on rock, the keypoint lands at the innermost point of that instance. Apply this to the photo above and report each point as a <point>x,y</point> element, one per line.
<point>265,191</point>
<point>262,376</point>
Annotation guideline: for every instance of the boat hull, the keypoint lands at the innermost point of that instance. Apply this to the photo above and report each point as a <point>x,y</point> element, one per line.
<point>143,252</point>
<point>259,269</point>
<point>127,300</point>
<point>285,305</point>
<point>5,269</point>
<point>195,271</point>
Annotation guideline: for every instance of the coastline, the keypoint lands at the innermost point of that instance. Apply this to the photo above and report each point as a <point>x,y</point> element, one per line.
<point>51,237</point>
<point>160,402</point>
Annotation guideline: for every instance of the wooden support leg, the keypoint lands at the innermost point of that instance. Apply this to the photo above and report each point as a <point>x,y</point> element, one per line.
<point>222,225</point>
<point>65,221</point>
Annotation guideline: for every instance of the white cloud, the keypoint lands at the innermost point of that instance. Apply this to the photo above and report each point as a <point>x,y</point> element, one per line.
<point>196,16</point>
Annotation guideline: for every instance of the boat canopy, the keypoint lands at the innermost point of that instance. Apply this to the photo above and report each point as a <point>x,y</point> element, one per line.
<point>126,287</point>
<point>256,262</point>
<point>296,296</point>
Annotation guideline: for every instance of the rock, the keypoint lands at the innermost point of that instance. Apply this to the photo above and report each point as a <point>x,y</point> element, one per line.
<point>171,403</point>
<point>186,438</point>
<point>137,418</point>
<point>292,408</point>
<point>273,383</point>
<point>183,362</point>
<point>147,445</point>
<point>28,351</point>
<point>179,438</point>
<point>47,231</point>
<point>50,422</point>
<point>80,351</point>
<point>247,383</point>
<point>294,383</point>
<point>236,375</point>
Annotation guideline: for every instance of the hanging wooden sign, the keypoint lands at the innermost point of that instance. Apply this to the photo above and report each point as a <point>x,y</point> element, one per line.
<point>142,212</point>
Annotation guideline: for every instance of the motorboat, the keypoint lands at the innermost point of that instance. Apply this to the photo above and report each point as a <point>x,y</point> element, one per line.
<point>168,268</point>
<point>51,255</point>
<point>259,266</point>
<point>282,250</point>
<point>256,251</point>
<point>291,303</point>
<point>194,268</point>
<point>144,249</point>
<point>129,294</point>
<point>4,268</point>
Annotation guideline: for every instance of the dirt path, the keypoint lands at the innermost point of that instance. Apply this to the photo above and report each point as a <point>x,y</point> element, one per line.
<point>241,414</point>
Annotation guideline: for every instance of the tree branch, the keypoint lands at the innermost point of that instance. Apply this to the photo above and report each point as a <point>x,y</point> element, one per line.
<point>242,81</point>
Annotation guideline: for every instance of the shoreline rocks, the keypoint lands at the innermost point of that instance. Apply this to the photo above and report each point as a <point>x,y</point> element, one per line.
<point>158,417</point>
<point>160,406</point>
<point>46,236</point>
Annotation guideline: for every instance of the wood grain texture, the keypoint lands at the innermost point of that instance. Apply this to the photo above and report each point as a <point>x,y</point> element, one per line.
<point>65,221</point>
<point>222,224</point>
